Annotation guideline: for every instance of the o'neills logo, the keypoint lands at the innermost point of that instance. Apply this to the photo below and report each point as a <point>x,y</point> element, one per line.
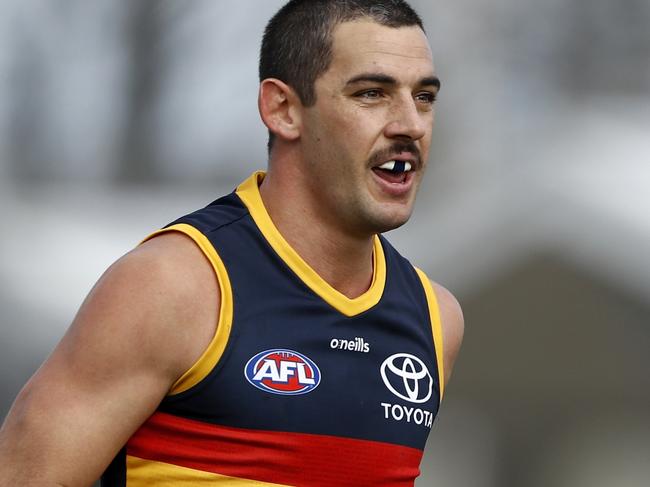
<point>356,345</point>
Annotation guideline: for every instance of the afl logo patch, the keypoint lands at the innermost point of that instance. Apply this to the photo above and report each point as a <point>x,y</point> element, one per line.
<point>407,377</point>
<point>281,371</point>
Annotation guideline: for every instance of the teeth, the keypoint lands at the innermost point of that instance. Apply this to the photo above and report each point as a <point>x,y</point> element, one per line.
<point>396,166</point>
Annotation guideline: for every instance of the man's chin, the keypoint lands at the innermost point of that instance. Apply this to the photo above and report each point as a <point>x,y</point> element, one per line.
<point>391,218</point>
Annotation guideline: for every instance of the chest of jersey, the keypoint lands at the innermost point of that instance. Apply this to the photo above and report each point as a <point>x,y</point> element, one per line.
<point>294,363</point>
<point>301,386</point>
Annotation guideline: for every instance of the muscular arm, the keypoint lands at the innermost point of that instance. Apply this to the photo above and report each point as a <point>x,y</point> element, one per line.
<point>453,327</point>
<point>143,325</point>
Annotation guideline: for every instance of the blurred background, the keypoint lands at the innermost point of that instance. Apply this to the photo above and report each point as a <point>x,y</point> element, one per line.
<point>116,117</point>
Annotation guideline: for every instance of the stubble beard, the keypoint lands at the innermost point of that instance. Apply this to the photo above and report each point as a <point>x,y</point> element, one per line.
<point>357,210</point>
<point>376,218</point>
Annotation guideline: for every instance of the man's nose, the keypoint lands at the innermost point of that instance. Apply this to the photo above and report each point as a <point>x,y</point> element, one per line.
<point>407,121</point>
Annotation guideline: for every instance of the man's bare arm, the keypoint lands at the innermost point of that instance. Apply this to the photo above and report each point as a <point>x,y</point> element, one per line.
<point>146,321</point>
<point>453,327</point>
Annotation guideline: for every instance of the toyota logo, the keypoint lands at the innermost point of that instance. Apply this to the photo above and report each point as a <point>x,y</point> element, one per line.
<point>407,377</point>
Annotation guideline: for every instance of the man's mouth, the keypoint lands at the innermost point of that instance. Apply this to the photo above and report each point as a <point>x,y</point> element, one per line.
<point>395,171</point>
<point>396,166</point>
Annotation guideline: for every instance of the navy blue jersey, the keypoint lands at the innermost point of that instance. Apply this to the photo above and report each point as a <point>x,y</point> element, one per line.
<point>300,385</point>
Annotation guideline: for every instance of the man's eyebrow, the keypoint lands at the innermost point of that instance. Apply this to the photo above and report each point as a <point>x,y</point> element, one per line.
<point>373,78</point>
<point>389,80</point>
<point>431,81</point>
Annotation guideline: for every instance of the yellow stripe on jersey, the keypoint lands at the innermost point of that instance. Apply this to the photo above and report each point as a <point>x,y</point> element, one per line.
<point>210,357</point>
<point>249,193</point>
<point>145,473</point>
<point>436,325</point>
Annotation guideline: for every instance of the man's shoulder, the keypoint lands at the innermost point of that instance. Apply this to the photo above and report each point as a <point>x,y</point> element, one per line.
<point>450,314</point>
<point>453,325</point>
<point>171,263</point>
<point>168,293</point>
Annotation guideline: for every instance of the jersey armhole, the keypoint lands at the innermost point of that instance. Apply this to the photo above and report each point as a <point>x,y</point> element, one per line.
<point>436,327</point>
<point>215,349</point>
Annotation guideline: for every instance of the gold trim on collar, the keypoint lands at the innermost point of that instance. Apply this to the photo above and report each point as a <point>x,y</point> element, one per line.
<point>249,193</point>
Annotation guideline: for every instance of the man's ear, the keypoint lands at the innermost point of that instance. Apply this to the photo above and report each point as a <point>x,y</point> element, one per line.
<point>279,107</point>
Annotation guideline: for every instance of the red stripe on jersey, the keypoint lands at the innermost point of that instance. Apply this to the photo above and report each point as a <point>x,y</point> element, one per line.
<point>270,456</point>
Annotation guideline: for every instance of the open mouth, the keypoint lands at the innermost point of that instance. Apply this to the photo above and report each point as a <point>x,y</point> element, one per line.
<point>395,171</point>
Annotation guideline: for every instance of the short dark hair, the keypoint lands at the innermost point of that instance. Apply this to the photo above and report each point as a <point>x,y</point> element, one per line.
<point>297,42</point>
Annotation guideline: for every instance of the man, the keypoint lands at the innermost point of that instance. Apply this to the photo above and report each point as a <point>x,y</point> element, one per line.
<point>272,337</point>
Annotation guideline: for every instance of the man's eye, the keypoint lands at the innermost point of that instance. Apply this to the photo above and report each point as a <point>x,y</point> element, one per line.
<point>369,94</point>
<point>426,97</point>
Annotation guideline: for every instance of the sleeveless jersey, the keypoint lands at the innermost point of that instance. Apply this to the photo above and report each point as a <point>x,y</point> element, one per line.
<point>300,386</point>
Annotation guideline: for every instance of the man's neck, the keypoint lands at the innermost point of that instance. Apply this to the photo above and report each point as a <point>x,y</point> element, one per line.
<point>344,261</point>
